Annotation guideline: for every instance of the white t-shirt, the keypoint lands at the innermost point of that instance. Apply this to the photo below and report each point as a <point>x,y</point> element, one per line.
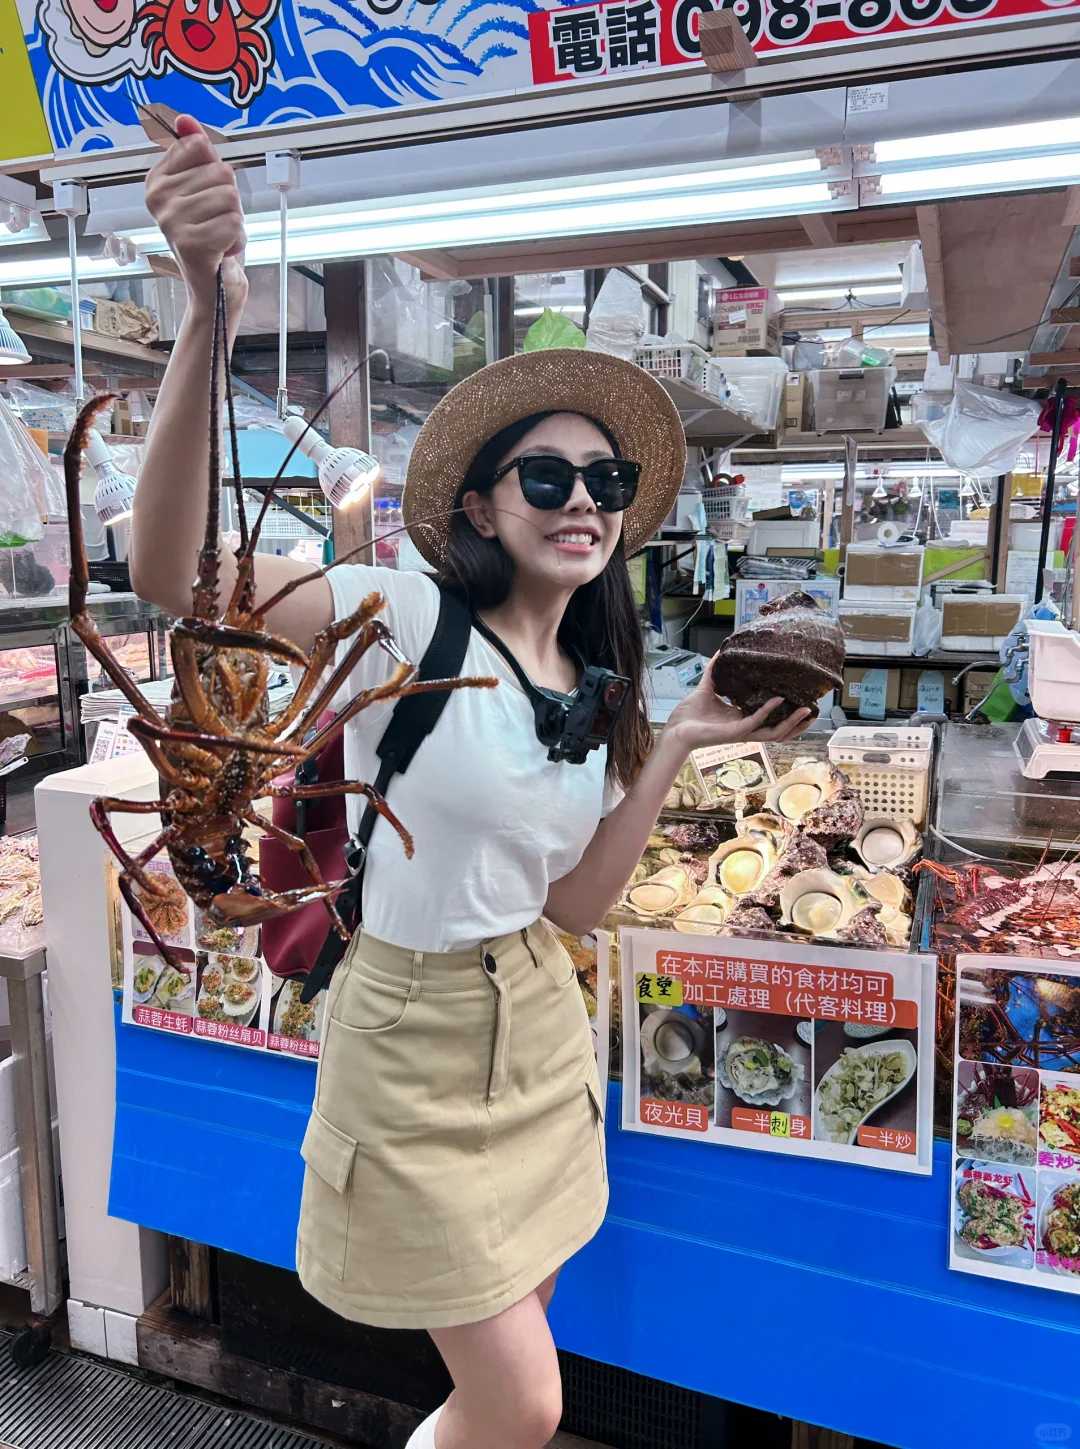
<point>493,820</point>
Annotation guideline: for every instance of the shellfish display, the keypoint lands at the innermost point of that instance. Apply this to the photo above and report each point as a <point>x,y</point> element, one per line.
<point>808,864</point>
<point>793,650</point>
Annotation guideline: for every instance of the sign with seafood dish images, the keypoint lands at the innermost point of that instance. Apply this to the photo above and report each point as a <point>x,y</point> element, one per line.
<point>219,989</point>
<point>771,994</point>
<point>217,986</point>
<point>1016,1121</point>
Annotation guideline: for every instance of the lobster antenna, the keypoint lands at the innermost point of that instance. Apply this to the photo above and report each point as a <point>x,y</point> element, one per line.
<point>230,408</point>
<point>205,593</point>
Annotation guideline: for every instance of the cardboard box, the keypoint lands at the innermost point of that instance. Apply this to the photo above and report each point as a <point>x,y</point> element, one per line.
<point>794,402</point>
<point>977,684</point>
<point>745,321</point>
<point>884,575</point>
<point>910,683</point>
<point>871,628</point>
<point>853,678</point>
<point>980,621</point>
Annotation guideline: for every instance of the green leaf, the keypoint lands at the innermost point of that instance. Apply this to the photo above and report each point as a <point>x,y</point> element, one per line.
<point>553,329</point>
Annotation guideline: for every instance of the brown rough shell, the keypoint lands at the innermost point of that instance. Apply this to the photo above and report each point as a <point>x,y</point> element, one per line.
<point>801,854</point>
<point>749,918</point>
<point>865,929</point>
<point>792,649</point>
<point>837,821</point>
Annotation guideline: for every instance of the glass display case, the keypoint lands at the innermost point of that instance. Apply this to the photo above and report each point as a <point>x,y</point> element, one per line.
<point>986,805</point>
<point>44,667</point>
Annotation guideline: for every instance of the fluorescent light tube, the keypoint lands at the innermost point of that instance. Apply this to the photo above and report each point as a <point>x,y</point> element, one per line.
<point>1024,173</point>
<point>857,289</point>
<point>1038,136</point>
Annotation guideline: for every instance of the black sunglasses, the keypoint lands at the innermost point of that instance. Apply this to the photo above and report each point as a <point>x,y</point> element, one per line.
<point>547,480</point>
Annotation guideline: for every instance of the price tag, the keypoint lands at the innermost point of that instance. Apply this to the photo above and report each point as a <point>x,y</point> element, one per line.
<point>656,990</point>
<point>736,316</point>
<point>779,1124</point>
<point>931,698</point>
<point>872,694</point>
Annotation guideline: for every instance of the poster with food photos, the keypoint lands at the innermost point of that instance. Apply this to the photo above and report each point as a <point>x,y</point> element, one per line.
<point>814,1050</point>
<point>591,955</point>
<point>1015,1201</point>
<point>216,988</point>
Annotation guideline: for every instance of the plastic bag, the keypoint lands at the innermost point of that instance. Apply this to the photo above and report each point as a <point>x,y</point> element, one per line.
<point>810,354</point>
<point>926,633</point>
<point>982,432</point>
<point>616,323</point>
<point>24,477</point>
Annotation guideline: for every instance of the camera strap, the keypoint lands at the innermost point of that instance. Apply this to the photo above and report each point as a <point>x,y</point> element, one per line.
<point>538,698</point>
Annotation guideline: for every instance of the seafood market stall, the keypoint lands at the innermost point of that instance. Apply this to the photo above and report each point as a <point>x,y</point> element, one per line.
<point>840,1265</point>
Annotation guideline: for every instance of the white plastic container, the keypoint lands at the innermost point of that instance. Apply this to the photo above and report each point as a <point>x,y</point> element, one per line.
<point>750,594</point>
<point>884,575</point>
<point>783,533</point>
<point>1027,535</point>
<point>753,386</point>
<point>851,400</point>
<point>680,361</point>
<point>889,768</point>
<point>1054,670</point>
<point>980,623</point>
<point>877,629</point>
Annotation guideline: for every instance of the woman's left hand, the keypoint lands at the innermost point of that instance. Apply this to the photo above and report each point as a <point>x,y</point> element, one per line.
<point>703,718</point>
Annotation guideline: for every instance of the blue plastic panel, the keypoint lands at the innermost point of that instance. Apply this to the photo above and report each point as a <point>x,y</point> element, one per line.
<point>815,1290</point>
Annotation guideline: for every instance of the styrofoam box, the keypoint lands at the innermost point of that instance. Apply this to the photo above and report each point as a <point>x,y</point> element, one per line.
<point>1027,534</point>
<point>983,643</point>
<point>887,593</point>
<point>783,533</point>
<point>12,1229</point>
<point>750,594</point>
<point>900,619</point>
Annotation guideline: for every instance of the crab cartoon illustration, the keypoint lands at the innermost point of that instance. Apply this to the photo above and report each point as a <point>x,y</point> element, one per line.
<point>211,40</point>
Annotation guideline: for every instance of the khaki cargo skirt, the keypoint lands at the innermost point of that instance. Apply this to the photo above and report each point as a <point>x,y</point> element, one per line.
<point>455,1152</point>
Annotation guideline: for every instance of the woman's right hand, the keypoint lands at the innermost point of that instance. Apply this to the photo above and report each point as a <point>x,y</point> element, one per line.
<point>192,195</point>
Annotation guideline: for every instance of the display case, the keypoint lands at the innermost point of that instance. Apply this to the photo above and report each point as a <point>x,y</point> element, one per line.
<point>44,667</point>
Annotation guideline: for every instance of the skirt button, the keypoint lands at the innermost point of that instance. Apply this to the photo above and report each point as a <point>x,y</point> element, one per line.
<point>489,961</point>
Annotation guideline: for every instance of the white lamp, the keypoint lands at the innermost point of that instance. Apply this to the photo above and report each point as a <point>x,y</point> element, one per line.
<point>11,344</point>
<point>346,475</point>
<point>115,491</point>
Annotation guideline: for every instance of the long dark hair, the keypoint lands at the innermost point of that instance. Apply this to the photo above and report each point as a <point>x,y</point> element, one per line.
<point>601,621</point>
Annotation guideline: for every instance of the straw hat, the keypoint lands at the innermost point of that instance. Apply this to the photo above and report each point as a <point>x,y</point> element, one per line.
<point>628,401</point>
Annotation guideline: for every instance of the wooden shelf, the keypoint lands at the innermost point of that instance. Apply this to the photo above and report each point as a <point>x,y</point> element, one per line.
<point>56,340</point>
<point>891,440</point>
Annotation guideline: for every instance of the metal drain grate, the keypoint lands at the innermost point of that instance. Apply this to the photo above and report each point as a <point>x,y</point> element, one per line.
<point>73,1403</point>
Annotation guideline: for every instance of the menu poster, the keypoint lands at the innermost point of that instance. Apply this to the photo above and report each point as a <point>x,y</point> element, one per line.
<point>813,1050</point>
<point>217,988</point>
<point>1015,1210</point>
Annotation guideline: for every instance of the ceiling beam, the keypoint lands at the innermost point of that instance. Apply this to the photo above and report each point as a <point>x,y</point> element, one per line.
<point>822,230</point>
<point>1054,359</point>
<point>1066,316</point>
<point>440,265</point>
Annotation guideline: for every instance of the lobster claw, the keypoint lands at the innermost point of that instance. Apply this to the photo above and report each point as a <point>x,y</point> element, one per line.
<point>241,907</point>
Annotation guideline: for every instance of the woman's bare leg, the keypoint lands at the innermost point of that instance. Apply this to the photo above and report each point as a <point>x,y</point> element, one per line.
<point>546,1291</point>
<point>507,1389</point>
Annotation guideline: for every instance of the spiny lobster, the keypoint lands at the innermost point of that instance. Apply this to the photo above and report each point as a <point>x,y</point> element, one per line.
<point>216,750</point>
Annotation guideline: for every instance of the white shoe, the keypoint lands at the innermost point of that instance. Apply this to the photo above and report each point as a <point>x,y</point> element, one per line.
<point>424,1437</point>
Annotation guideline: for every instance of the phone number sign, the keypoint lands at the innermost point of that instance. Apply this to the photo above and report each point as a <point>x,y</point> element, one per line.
<point>616,37</point>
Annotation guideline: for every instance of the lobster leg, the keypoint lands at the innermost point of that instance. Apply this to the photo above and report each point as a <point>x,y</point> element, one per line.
<point>132,870</point>
<point>346,787</point>
<point>176,775</point>
<point>369,631</point>
<point>79,581</point>
<point>393,689</point>
<point>298,844</point>
<point>221,742</point>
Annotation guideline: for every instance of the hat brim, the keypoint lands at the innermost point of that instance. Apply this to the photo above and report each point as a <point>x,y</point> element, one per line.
<point>627,400</point>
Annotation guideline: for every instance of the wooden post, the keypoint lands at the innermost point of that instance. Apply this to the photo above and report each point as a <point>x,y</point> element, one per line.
<point>191,1279</point>
<point>504,317</point>
<point>847,516</point>
<point>349,415</point>
<point>998,532</point>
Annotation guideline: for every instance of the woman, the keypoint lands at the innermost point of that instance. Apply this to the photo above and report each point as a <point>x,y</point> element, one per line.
<point>455,1152</point>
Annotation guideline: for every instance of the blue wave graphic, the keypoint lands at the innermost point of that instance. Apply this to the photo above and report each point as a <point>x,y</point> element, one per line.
<point>329,57</point>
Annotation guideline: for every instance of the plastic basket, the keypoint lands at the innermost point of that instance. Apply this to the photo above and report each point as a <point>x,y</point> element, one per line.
<point>725,503</point>
<point>888,769</point>
<point>683,361</point>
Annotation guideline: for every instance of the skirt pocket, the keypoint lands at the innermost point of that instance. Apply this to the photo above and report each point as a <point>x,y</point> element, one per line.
<point>597,1110</point>
<point>324,1218</point>
<point>366,1005</point>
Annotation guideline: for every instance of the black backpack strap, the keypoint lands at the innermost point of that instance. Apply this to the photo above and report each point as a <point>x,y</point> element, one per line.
<point>410,724</point>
